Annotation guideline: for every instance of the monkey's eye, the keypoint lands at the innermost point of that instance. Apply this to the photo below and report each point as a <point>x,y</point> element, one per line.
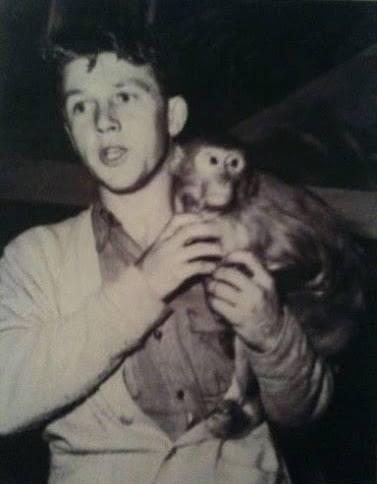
<point>234,163</point>
<point>213,160</point>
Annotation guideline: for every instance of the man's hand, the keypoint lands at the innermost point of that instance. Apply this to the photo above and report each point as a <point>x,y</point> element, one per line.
<point>187,247</point>
<point>244,293</point>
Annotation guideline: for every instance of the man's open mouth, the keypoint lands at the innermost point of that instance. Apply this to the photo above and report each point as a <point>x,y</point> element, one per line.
<point>112,155</point>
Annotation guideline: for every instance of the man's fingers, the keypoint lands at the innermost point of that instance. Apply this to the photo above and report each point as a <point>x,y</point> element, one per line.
<point>197,268</point>
<point>198,231</point>
<point>185,218</point>
<point>202,250</point>
<point>179,221</point>
<point>252,263</point>
<point>224,308</point>
<point>232,276</point>
<point>223,291</point>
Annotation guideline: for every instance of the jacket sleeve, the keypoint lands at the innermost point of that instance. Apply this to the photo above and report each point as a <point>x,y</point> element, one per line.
<point>295,382</point>
<point>296,376</point>
<point>47,361</point>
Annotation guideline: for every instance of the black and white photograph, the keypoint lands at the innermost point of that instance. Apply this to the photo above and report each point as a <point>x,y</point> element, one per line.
<point>188,241</point>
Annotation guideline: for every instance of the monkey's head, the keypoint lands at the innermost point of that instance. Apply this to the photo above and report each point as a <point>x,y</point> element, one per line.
<point>207,175</point>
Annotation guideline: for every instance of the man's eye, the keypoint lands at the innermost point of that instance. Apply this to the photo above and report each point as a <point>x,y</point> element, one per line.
<point>79,107</point>
<point>124,97</point>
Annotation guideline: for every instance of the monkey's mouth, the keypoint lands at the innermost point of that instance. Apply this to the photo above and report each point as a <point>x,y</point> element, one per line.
<point>217,200</point>
<point>112,156</point>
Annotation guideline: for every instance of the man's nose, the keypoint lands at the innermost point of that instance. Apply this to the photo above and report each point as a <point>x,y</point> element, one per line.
<point>105,118</point>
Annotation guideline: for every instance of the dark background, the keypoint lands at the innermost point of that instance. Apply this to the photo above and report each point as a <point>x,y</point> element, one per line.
<point>235,59</point>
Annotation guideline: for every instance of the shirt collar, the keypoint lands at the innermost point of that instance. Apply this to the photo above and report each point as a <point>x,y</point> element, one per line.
<point>108,229</point>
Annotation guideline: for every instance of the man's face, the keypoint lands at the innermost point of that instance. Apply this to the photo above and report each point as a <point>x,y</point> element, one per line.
<point>117,120</point>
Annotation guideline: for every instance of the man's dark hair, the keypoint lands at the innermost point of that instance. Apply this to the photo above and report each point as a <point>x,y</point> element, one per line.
<point>80,40</point>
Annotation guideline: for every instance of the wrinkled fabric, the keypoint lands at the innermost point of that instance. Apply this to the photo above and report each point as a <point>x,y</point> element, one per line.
<point>181,373</point>
<point>64,340</point>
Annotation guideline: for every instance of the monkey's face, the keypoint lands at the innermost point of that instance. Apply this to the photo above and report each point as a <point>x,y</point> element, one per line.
<point>217,171</point>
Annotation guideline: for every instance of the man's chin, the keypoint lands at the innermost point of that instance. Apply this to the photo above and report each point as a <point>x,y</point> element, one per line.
<point>123,187</point>
<point>118,189</point>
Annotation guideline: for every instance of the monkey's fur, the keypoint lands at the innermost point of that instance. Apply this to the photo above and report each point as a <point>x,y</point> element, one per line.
<point>298,239</point>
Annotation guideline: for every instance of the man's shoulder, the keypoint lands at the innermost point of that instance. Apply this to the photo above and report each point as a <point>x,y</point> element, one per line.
<point>51,239</point>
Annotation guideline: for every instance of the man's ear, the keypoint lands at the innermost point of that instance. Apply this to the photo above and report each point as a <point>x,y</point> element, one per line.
<point>68,131</point>
<point>177,115</point>
<point>175,159</point>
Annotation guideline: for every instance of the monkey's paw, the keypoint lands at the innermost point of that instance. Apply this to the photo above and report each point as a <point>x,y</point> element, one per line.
<point>230,421</point>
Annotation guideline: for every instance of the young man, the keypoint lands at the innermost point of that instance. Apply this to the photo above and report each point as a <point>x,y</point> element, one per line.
<point>106,339</point>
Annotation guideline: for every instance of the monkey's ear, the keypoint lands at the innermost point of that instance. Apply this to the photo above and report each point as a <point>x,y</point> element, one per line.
<point>247,187</point>
<point>176,156</point>
<point>177,115</point>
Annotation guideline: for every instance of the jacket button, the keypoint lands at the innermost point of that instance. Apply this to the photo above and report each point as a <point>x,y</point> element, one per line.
<point>157,334</point>
<point>180,394</point>
<point>125,420</point>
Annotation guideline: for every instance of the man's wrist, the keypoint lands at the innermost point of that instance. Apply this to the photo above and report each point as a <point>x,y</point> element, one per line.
<point>269,334</point>
<point>134,301</point>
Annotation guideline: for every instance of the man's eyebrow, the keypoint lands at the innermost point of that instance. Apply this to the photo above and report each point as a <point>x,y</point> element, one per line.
<point>137,82</point>
<point>71,92</point>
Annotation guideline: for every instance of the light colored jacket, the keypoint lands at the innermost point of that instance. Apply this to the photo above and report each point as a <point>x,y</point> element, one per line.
<point>63,339</point>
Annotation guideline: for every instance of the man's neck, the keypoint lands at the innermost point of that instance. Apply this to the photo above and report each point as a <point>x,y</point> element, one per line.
<point>145,212</point>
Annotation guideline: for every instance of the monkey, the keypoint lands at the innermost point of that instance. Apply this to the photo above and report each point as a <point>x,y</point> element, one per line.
<point>217,167</point>
<point>297,237</point>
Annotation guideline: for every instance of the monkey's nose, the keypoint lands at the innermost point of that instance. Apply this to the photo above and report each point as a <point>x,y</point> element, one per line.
<point>225,177</point>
